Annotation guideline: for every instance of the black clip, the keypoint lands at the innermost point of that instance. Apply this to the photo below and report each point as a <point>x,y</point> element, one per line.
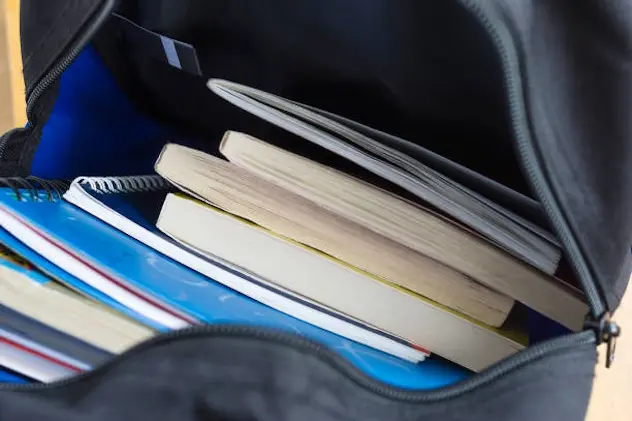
<point>606,331</point>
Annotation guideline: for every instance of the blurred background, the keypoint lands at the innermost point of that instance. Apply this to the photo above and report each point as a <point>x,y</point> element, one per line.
<point>12,110</point>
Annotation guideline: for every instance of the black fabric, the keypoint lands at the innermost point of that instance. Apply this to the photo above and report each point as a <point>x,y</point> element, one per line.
<point>46,29</point>
<point>395,66</point>
<point>577,70</point>
<point>22,143</point>
<point>142,41</point>
<point>14,142</point>
<point>241,378</point>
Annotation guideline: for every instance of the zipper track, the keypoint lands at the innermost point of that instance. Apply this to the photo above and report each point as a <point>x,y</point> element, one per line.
<point>529,157</point>
<point>91,27</point>
<point>331,357</point>
<point>530,162</point>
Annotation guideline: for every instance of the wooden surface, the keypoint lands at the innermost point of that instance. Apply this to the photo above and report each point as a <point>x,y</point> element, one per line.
<point>12,109</point>
<point>612,393</point>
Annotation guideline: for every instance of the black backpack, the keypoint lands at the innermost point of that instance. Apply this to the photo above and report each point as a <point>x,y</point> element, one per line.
<point>536,94</point>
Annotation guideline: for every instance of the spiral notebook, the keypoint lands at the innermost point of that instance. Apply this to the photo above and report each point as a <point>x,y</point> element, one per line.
<point>132,205</point>
<point>33,212</point>
<point>106,258</point>
<point>70,281</point>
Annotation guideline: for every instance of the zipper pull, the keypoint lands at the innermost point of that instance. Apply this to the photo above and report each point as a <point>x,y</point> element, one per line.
<point>606,331</point>
<point>613,332</point>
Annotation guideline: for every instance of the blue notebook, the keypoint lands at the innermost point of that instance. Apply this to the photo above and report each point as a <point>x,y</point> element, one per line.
<point>143,270</point>
<point>132,205</point>
<point>31,346</point>
<point>67,279</point>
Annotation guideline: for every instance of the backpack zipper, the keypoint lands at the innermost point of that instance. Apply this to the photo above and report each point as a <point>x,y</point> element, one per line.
<point>599,327</point>
<point>599,320</point>
<point>528,155</point>
<point>95,22</point>
<point>335,360</point>
<point>60,65</point>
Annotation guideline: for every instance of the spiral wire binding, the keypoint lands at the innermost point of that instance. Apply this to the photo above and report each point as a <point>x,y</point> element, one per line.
<point>131,184</point>
<point>30,188</point>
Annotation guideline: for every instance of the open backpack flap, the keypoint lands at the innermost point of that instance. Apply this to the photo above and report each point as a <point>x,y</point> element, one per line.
<point>534,94</point>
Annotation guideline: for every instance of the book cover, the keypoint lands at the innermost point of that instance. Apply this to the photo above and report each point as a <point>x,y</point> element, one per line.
<point>131,204</point>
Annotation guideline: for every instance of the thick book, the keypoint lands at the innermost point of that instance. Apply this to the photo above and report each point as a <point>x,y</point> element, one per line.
<point>245,194</point>
<point>34,348</point>
<point>404,222</point>
<point>90,242</point>
<point>132,205</point>
<point>327,280</point>
<point>404,164</point>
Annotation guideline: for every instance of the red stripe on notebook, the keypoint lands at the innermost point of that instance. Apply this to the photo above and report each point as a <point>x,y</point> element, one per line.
<point>39,354</point>
<point>94,268</point>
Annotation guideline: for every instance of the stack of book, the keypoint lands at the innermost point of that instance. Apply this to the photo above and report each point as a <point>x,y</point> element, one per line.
<point>405,257</point>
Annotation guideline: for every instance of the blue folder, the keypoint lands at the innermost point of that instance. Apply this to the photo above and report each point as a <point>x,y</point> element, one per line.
<point>67,279</point>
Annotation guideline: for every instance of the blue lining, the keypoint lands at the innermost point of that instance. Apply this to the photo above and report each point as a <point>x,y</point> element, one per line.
<point>10,377</point>
<point>94,129</point>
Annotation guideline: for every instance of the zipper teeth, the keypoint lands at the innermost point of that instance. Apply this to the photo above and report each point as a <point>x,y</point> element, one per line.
<point>95,22</point>
<point>529,155</point>
<point>332,358</point>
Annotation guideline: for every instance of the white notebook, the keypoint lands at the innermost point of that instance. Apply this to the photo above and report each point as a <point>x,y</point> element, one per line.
<point>114,201</point>
<point>339,286</point>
